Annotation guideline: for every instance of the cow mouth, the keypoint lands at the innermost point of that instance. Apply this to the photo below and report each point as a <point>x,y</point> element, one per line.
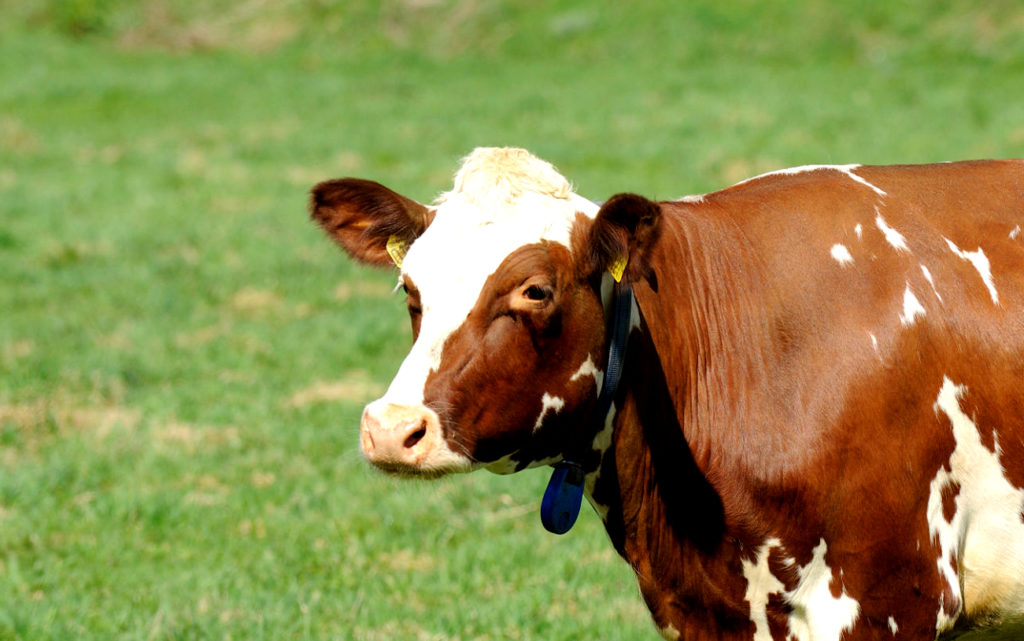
<point>399,470</point>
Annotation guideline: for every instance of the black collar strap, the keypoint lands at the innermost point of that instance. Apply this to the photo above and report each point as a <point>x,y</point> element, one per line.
<point>564,494</point>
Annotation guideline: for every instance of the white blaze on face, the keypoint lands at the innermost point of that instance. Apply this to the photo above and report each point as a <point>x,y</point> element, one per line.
<point>503,199</point>
<point>980,262</point>
<point>986,534</point>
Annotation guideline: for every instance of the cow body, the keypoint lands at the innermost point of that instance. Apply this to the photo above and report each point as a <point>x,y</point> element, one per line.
<point>819,433</point>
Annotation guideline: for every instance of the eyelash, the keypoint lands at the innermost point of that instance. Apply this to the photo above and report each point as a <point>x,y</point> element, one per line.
<point>533,292</point>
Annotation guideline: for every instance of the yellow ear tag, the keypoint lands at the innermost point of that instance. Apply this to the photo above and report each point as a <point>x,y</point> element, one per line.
<point>618,267</point>
<point>396,248</point>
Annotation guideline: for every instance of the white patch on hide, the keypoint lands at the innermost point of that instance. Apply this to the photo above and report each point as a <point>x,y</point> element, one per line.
<point>892,236</point>
<point>589,369</point>
<point>986,534</point>
<point>549,403</point>
<point>817,615</point>
<point>912,308</point>
<point>602,443</point>
<point>841,254</point>
<point>844,169</point>
<point>980,262</point>
<point>510,464</point>
<point>761,584</point>
<point>928,277</point>
<point>694,199</point>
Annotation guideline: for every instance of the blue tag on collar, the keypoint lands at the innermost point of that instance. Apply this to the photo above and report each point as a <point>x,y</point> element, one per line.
<point>561,503</point>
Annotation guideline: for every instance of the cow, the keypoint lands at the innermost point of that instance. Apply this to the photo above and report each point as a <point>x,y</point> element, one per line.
<point>817,431</point>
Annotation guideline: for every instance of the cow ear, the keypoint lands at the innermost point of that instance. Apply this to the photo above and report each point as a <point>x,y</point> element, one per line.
<point>373,224</point>
<point>621,238</point>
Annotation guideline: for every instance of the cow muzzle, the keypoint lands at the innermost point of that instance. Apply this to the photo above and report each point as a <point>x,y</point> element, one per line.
<point>403,439</point>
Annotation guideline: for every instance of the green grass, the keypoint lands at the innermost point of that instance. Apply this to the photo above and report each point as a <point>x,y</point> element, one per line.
<point>183,357</point>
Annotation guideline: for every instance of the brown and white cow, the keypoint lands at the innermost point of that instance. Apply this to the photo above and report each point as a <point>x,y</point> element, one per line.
<point>819,434</point>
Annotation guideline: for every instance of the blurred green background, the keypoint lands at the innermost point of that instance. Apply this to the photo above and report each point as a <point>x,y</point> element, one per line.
<point>183,356</point>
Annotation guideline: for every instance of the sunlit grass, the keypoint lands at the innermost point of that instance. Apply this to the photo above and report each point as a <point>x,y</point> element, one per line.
<point>183,357</point>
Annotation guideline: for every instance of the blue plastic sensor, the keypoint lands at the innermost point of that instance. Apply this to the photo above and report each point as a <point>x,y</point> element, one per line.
<point>562,498</point>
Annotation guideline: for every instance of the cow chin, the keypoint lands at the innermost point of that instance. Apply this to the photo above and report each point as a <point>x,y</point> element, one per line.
<point>408,440</point>
<point>425,473</point>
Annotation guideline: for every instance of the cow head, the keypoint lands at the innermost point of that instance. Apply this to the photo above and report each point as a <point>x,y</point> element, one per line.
<point>503,277</point>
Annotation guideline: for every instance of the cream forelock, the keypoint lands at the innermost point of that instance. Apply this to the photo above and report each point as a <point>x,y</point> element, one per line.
<point>493,175</point>
<point>502,198</point>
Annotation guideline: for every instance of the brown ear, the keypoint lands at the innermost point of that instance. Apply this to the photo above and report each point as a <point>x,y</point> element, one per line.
<point>625,229</point>
<point>361,216</point>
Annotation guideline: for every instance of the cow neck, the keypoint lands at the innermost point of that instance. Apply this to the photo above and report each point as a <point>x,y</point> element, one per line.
<point>564,494</point>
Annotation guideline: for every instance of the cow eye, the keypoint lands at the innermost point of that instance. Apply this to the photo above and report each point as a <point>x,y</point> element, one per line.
<point>535,292</point>
<point>531,297</point>
<point>412,300</point>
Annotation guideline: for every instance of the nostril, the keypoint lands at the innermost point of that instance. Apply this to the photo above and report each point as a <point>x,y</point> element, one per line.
<point>416,436</point>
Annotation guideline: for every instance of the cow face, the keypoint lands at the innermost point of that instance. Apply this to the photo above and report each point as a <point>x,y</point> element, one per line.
<point>503,278</point>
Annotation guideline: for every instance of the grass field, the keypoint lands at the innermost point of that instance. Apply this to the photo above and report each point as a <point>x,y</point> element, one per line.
<point>183,357</point>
